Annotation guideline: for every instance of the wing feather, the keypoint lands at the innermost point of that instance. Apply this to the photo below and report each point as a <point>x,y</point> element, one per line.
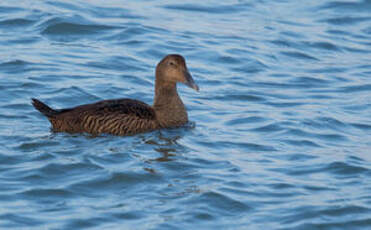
<point>120,116</point>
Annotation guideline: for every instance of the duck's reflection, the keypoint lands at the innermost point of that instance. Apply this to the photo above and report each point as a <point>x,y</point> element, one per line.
<point>166,143</point>
<point>166,154</point>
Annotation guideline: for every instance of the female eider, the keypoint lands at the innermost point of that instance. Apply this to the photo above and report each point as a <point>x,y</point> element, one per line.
<point>127,116</point>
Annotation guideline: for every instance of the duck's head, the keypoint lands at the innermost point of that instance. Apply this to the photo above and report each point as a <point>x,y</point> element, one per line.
<point>172,69</point>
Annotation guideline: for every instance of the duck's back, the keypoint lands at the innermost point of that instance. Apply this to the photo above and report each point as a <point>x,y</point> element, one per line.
<point>118,117</point>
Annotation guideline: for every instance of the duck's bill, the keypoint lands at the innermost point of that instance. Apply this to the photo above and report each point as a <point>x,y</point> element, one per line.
<point>190,82</point>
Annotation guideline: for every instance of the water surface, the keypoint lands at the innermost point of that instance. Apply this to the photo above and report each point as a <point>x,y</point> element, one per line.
<point>280,133</point>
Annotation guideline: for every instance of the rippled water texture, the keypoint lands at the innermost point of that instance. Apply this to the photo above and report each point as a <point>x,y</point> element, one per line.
<point>280,133</point>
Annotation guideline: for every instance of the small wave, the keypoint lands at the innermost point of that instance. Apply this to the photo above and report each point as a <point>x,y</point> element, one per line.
<point>17,66</point>
<point>223,9</point>
<point>126,34</point>
<point>16,22</point>
<point>362,126</point>
<point>221,203</point>
<point>239,97</point>
<point>346,6</point>
<point>70,94</point>
<point>113,181</point>
<point>46,194</point>
<point>322,123</point>
<point>326,217</point>
<point>299,55</point>
<point>320,136</point>
<point>269,128</point>
<point>229,60</point>
<point>345,20</point>
<point>355,88</point>
<point>69,28</point>
<point>323,45</point>
<point>19,220</point>
<point>71,169</point>
<point>285,104</point>
<point>310,82</point>
<point>14,63</point>
<point>329,69</point>
<point>30,146</point>
<point>245,120</point>
<point>245,145</point>
<point>9,9</point>
<point>338,32</point>
<point>343,168</point>
<point>305,143</point>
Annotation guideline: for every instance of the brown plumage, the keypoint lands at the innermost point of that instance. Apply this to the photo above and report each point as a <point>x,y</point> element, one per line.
<point>127,116</point>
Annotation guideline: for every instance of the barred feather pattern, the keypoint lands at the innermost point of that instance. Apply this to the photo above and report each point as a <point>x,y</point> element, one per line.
<point>117,124</point>
<point>118,117</point>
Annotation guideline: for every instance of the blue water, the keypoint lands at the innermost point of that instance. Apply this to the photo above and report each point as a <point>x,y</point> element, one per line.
<point>280,133</point>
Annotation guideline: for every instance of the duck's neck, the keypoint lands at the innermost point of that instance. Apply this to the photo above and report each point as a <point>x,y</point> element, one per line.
<point>169,108</point>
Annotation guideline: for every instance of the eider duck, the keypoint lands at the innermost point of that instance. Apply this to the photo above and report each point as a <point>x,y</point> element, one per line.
<point>127,116</point>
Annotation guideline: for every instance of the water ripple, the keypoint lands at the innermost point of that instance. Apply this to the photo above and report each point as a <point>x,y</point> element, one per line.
<point>346,20</point>
<point>299,55</point>
<point>222,9</point>
<point>278,138</point>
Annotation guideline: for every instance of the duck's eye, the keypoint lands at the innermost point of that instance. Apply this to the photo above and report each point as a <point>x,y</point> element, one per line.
<point>172,63</point>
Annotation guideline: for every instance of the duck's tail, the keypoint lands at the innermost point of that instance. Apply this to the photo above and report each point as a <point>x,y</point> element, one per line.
<point>43,108</point>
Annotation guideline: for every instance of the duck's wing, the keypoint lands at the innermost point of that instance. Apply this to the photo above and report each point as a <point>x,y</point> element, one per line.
<point>119,117</point>
<point>124,106</point>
